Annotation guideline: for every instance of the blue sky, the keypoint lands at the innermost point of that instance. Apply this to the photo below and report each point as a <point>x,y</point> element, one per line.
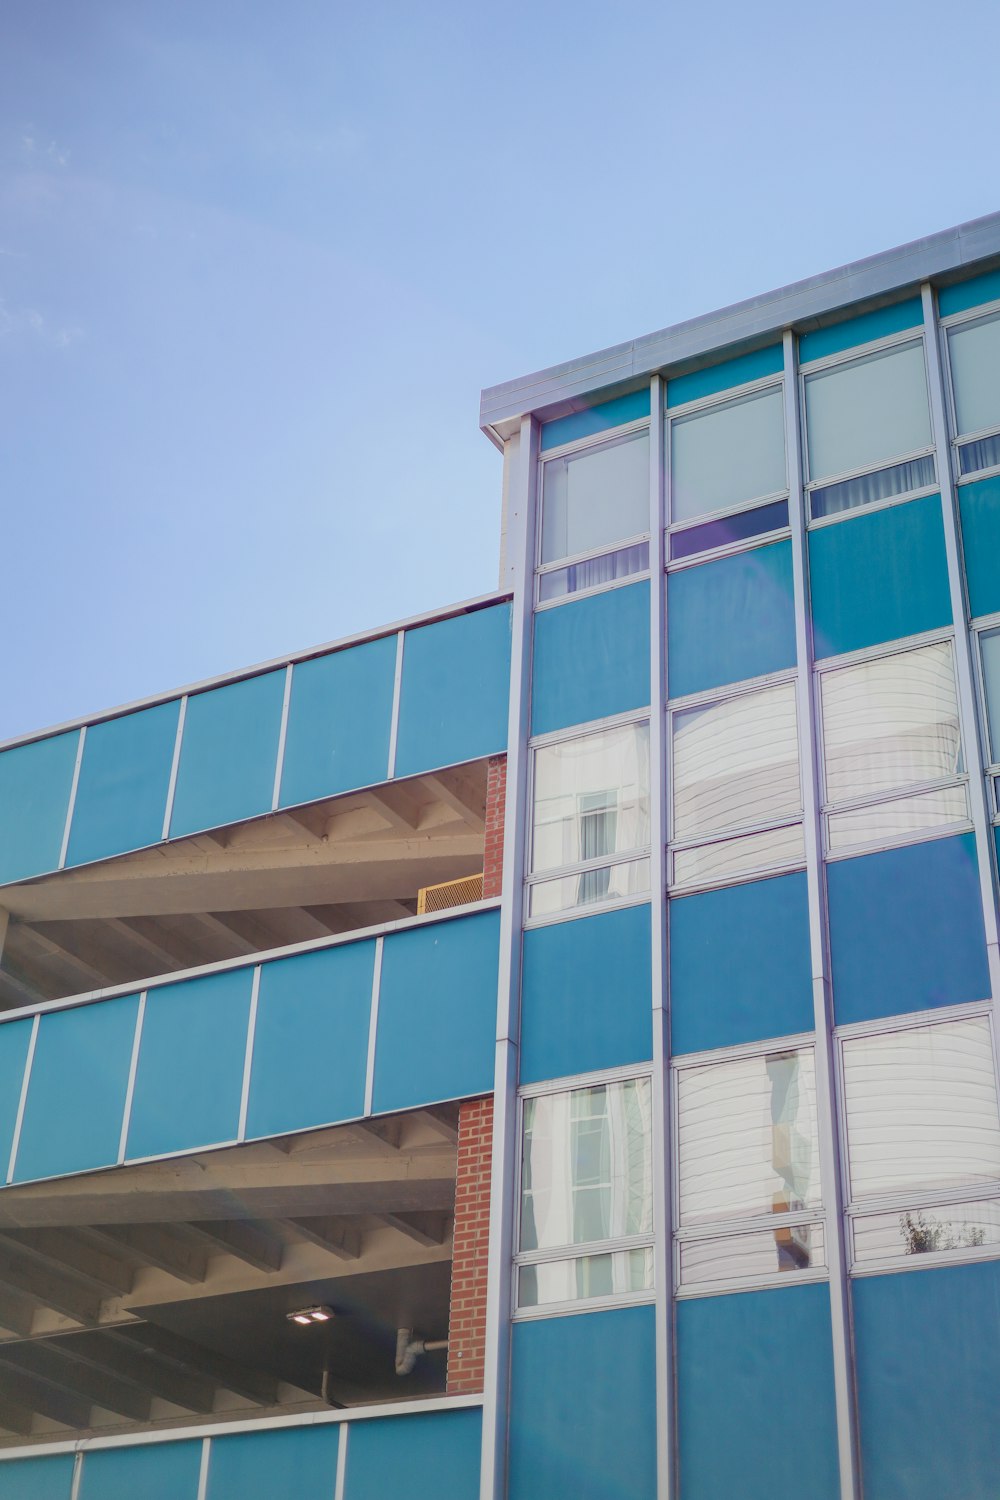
<point>257,261</point>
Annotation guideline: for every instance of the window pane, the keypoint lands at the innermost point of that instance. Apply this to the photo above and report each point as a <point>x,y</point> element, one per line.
<point>728,529</point>
<point>748,1137</point>
<point>789,1248</point>
<point>753,851</point>
<point>860,415</point>
<point>984,453</point>
<point>585,1166</point>
<point>990,640</point>
<point>921,1231</point>
<point>736,762</point>
<point>890,722</point>
<point>594,498</point>
<point>975,375</point>
<point>921,1108</point>
<point>591,797</point>
<point>586,1276</point>
<point>727,455</point>
<point>890,820</point>
<point>602,883</point>
<point>607,568</point>
<point>866,489</point>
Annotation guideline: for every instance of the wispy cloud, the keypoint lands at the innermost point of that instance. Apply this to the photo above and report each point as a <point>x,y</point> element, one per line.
<point>38,150</point>
<point>28,322</point>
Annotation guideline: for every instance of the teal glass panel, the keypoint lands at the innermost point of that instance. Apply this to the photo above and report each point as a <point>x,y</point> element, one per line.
<point>228,754</point>
<point>740,371</point>
<point>594,419</point>
<point>339,717</point>
<point>310,1047</point>
<point>586,995</point>
<point>927,1346</point>
<point>879,577</point>
<point>453,697</point>
<point>121,796</point>
<point>297,1462</point>
<point>37,1478</point>
<point>740,968</point>
<point>836,337</point>
<point>971,293</point>
<point>979,505</point>
<point>437,1012</point>
<point>35,782</point>
<point>191,1055</point>
<point>591,658</point>
<point>76,1091</point>
<point>583,1407</point>
<point>730,619</point>
<point>154,1471</point>
<point>736,1436</point>
<point>14,1039</point>
<point>426,1457</point>
<point>906,930</point>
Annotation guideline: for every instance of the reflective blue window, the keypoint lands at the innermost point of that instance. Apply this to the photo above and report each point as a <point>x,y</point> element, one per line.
<point>157,1471</point>
<point>35,783</point>
<point>300,1462</point>
<point>37,1478</point>
<point>14,1038</point>
<point>865,329</point>
<point>730,619</point>
<point>124,775</point>
<point>595,419</point>
<point>454,692</point>
<point>723,377</point>
<point>228,754</point>
<point>339,716</point>
<point>979,505</point>
<point>431,1456</point>
<point>971,293</point>
<point>591,658</point>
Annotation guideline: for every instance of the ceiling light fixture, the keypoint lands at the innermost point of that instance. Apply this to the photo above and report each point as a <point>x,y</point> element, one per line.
<point>307,1315</point>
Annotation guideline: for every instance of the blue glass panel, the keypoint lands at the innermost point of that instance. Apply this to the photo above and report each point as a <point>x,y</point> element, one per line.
<point>979,505</point>
<point>76,1092</point>
<point>740,968</point>
<point>190,1075</point>
<point>863,330</point>
<point>35,783</point>
<point>437,1012</point>
<point>594,419</point>
<point>124,775</point>
<point>927,1346</point>
<point>37,1478</point>
<point>730,619</point>
<point>583,1407</point>
<point>586,996</point>
<point>310,1046</point>
<point>971,293</point>
<point>741,528</point>
<point>339,717</point>
<point>156,1471</point>
<point>300,1462</point>
<point>879,576</point>
<point>228,754</point>
<point>906,930</point>
<point>426,1457</point>
<point>755,1398</point>
<point>591,658</point>
<point>723,377</point>
<point>14,1039</point>
<point>453,698</point>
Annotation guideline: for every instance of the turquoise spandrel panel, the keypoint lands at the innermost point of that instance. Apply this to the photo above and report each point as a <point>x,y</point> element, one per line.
<point>740,968</point>
<point>454,691</point>
<point>310,1046</point>
<point>591,658</point>
<point>733,372</point>
<point>229,750</point>
<point>14,1039</point>
<point>603,417</point>
<point>979,506</point>
<point>76,1092</point>
<point>906,930</point>
<point>836,337</point>
<point>37,1478</point>
<point>297,1462</point>
<point>879,576</point>
<point>339,720</point>
<point>430,1456</point>
<point>730,619</point>
<point>733,1354</point>
<point>151,1471</point>
<point>35,782</point>
<point>972,293</point>
<point>583,1407</point>
<point>586,995</point>
<point>121,797</point>
<point>437,1012</point>
<point>927,1346</point>
<point>189,1077</point>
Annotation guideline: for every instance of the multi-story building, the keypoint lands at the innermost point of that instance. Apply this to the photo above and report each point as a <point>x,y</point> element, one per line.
<point>547,1048</point>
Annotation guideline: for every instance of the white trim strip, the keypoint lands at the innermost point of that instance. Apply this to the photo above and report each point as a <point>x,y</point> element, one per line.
<point>74,1489</point>
<point>373,1026</point>
<point>279,762</point>
<point>133,1068</point>
<point>168,810</point>
<point>206,1453</point>
<point>397,684</point>
<point>340,1483</point>
<point>71,805</point>
<point>22,1100</point>
<point>241,1129</point>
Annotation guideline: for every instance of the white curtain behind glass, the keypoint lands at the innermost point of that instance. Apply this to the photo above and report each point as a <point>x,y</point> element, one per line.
<point>595,498</point>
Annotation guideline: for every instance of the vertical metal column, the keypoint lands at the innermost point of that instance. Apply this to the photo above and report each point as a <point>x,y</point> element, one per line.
<point>662,1226</point>
<point>496,1386</point>
<point>819,948</point>
<point>964,668</point>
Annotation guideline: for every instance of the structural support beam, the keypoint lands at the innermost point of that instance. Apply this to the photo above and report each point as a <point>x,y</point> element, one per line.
<point>337,1236</point>
<point>20,1390</point>
<point>136,1363</point>
<point>461,796</point>
<point>426,1229</point>
<point>51,1362</point>
<point>38,1284</point>
<point>153,1246</point>
<point>247,1242</point>
<point>196,1359</point>
<point>69,1252</point>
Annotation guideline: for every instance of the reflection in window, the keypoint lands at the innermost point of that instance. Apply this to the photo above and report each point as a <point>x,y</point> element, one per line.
<point>726,530</point>
<point>585,1276</point>
<point>989,642</point>
<point>727,456</point>
<point>927,1231</point>
<point>591,500</point>
<point>890,822</point>
<point>974,349</point>
<point>739,1257</point>
<point>594,571</point>
<point>776,848</point>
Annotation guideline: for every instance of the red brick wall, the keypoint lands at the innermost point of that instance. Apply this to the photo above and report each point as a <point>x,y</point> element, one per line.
<point>467,1317</point>
<point>496,789</point>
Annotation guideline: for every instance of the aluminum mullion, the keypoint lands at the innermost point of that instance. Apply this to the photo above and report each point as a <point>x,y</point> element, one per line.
<point>373,1025</point>
<point>279,760</point>
<point>175,761</point>
<point>826,1097</point>
<point>397,686</point>
<point>206,1455</point>
<point>241,1129</point>
<point>71,804</point>
<point>133,1068</point>
<point>340,1482</point>
<point>22,1099</point>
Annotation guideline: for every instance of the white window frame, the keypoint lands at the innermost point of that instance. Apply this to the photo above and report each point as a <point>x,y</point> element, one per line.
<point>984,312</point>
